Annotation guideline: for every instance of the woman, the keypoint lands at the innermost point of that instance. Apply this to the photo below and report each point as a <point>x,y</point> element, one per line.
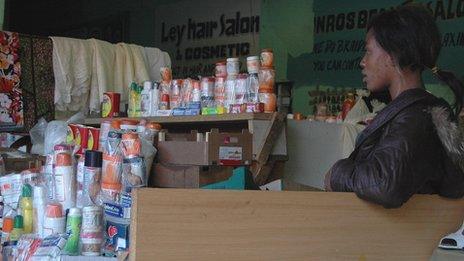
<point>413,145</point>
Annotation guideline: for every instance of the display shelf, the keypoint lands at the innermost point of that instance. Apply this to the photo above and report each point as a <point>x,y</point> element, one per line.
<point>192,119</point>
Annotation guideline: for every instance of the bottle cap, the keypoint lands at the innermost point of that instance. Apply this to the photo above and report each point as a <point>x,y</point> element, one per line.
<point>63,159</point>
<point>54,210</point>
<point>7,224</point>
<point>93,158</point>
<point>18,221</point>
<point>26,191</point>
<point>75,212</point>
<point>147,85</point>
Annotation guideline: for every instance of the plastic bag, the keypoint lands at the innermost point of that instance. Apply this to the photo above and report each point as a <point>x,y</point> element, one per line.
<point>57,131</point>
<point>358,112</point>
<point>37,134</point>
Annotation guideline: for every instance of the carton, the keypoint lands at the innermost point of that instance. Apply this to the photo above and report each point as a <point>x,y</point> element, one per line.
<point>225,149</point>
<point>170,176</point>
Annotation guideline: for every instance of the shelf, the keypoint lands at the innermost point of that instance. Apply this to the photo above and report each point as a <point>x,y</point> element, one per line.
<point>196,118</point>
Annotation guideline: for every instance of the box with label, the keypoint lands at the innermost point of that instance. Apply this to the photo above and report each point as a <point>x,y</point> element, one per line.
<point>217,148</point>
<point>174,176</point>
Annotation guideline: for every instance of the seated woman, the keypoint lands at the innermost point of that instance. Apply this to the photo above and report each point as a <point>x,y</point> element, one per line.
<point>413,145</point>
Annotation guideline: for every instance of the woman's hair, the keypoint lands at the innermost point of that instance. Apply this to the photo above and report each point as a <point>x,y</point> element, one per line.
<point>409,33</point>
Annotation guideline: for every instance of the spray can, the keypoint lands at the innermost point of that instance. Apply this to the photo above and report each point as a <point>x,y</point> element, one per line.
<point>73,229</point>
<point>92,176</point>
<point>6,229</point>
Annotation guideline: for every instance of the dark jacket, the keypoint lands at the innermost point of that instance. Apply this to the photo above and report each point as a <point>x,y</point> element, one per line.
<point>410,147</point>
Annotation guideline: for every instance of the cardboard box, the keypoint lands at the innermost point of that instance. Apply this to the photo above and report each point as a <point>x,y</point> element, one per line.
<point>227,149</point>
<point>169,176</point>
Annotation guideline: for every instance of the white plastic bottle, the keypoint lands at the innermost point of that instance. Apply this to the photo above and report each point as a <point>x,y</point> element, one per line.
<point>156,98</point>
<point>146,99</point>
<point>38,207</point>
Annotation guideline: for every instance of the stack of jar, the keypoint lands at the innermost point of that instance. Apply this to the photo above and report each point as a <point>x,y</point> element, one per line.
<point>266,81</point>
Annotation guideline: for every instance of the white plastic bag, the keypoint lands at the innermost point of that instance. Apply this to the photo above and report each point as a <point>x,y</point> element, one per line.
<point>37,134</point>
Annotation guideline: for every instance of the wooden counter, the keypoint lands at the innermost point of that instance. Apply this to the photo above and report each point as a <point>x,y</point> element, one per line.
<point>182,224</point>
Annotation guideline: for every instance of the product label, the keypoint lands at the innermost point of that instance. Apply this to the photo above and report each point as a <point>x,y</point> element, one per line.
<point>114,210</point>
<point>106,106</point>
<point>230,155</point>
<point>90,141</point>
<point>145,105</point>
<point>69,136</point>
<point>77,139</point>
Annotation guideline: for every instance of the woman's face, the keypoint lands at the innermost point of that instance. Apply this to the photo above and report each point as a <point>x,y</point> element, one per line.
<point>377,66</point>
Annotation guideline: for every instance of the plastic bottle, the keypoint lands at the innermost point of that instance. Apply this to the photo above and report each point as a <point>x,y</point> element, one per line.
<point>38,208</point>
<point>6,229</point>
<point>73,229</point>
<point>348,103</point>
<point>146,100</point>
<point>26,207</point>
<point>156,98</point>
<point>18,228</point>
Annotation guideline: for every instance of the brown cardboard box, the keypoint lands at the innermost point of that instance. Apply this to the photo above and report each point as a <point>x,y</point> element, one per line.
<point>168,176</point>
<point>227,149</point>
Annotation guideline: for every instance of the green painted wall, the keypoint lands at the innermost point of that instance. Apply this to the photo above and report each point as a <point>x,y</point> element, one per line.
<point>287,27</point>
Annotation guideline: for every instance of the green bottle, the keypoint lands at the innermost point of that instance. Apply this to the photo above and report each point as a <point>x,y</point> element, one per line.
<point>18,228</point>
<point>26,207</point>
<point>73,228</point>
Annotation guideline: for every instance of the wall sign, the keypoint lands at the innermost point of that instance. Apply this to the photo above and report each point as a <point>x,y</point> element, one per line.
<point>212,31</point>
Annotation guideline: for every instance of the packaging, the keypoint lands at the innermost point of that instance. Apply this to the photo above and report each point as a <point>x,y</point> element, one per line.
<point>176,176</point>
<point>229,94</point>
<point>220,69</point>
<point>93,138</point>
<point>54,221</point>
<point>39,202</point>
<point>82,138</point>
<point>269,99</point>
<point>105,127</point>
<point>175,97</point>
<point>241,89</point>
<point>65,183</point>
<point>233,66</point>
<point>252,88</point>
<point>156,98</point>
<point>91,236</point>
<point>207,92</point>
<point>253,64</point>
<point>135,93</point>
<point>110,105</point>
<point>92,177</point>
<point>129,125</point>
<point>219,90</point>
<point>27,246</point>
<point>267,57</point>
<point>111,177</point>
<point>73,229</point>
<point>228,149</point>
<point>146,106</point>
<point>10,189</point>
<point>116,235</point>
<point>80,181</point>
<point>266,78</point>
<point>50,248</point>
<point>130,145</point>
<point>134,173</point>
